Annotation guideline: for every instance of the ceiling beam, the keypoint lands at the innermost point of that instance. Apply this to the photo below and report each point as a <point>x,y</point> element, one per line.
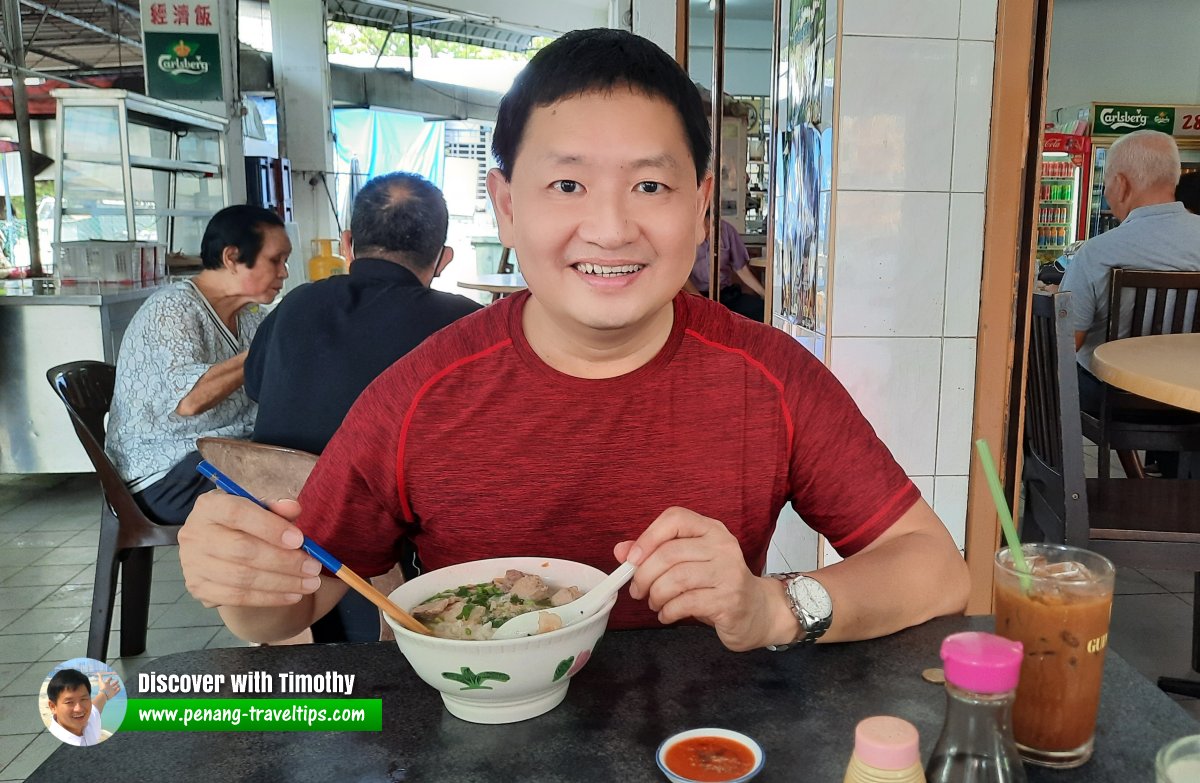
<point>81,23</point>
<point>129,11</point>
<point>62,58</point>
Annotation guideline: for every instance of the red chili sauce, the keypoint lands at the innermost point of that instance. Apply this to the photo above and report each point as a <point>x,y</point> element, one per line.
<point>709,759</point>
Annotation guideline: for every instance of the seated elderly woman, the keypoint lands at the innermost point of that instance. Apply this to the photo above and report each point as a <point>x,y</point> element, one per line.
<point>179,372</point>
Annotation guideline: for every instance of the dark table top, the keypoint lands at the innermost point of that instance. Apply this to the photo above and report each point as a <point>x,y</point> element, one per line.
<point>639,688</point>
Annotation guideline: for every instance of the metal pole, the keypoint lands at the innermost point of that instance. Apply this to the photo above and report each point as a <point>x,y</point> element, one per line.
<point>16,54</point>
<point>718,111</point>
<point>411,73</point>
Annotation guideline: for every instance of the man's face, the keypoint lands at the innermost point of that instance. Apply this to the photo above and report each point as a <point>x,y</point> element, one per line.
<point>73,708</point>
<point>603,208</point>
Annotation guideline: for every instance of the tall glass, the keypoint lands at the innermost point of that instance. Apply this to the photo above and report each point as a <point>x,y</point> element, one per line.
<point>1061,617</point>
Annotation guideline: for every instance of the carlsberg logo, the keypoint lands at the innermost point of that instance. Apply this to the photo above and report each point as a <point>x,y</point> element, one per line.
<point>176,65</point>
<point>1115,118</point>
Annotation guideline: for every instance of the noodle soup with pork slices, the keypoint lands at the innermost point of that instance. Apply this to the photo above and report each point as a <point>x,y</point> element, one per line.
<point>473,612</point>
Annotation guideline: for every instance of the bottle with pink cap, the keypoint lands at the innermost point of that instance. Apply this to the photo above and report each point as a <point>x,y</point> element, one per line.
<point>976,744</point>
<point>886,750</point>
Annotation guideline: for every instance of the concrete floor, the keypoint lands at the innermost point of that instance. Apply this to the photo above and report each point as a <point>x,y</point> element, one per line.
<point>48,536</point>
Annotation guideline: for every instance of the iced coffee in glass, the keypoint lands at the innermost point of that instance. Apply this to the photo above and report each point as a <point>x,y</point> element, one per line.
<point>1060,614</point>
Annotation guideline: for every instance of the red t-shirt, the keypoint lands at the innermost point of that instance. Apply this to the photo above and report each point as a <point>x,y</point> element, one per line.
<point>475,448</point>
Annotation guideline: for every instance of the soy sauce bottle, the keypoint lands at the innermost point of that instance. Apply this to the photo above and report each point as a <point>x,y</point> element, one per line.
<point>976,744</point>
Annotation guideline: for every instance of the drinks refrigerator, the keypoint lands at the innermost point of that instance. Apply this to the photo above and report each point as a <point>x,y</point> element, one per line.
<point>1108,122</point>
<point>1060,207</point>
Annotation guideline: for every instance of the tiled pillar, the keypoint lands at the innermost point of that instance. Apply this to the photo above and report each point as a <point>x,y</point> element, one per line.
<point>915,90</point>
<point>914,85</point>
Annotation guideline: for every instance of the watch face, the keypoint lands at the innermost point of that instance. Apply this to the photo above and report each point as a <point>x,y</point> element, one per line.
<point>812,596</point>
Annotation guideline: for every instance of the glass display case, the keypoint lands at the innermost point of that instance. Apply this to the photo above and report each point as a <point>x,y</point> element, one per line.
<point>135,169</point>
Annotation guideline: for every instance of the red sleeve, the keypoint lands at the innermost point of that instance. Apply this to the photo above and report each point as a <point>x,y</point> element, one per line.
<point>350,504</point>
<point>844,483</point>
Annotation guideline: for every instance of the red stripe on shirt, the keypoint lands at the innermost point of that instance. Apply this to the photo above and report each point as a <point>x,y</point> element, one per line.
<point>412,409</point>
<point>885,511</point>
<point>756,364</point>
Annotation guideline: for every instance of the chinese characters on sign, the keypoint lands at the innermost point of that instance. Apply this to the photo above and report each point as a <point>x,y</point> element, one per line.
<point>182,50</point>
<point>182,15</point>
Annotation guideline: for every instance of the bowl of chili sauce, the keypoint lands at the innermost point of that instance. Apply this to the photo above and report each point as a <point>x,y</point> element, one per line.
<point>710,756</point>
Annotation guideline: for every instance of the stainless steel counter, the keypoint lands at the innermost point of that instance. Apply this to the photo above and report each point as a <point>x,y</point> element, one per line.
<point>43,325</point>
<point>19,293</point>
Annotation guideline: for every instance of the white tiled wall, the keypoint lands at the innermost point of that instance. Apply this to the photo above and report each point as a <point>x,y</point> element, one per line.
<point>908,229</point>
<point>926,19</point>
<point>896,123</point>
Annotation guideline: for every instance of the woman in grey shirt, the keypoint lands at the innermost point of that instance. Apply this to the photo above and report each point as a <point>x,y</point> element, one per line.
<point>179,373</point>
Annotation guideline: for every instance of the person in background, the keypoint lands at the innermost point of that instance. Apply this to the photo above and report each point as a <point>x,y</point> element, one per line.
<point>1156,233</point>
<point>575,419</point>
<point>734,259</point>
<point>1187,192</point>
<point>327,341</point>
<point>180,369</point>
<point>74,714</point>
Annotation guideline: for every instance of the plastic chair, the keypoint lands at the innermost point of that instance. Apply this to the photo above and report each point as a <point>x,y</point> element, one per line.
<point>1145,303</point>
<point>1136,523</point>
<point>273,472</point>
<point>127,535</point>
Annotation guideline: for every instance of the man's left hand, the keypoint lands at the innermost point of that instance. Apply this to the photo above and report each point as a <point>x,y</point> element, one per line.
<point>692,566</point>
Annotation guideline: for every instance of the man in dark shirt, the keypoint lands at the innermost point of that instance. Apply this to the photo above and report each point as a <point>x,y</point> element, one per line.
<point>326,341</point>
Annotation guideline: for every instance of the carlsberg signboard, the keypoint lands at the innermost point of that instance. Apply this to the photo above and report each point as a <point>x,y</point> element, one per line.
<point>1117,120</point>
<point>182,48</point>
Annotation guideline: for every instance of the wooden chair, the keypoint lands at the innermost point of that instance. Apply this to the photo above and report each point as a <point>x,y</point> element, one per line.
<point>267,471</point>
<point>1133,522</point>
<point>127,535</point>
<point>1144,303</point>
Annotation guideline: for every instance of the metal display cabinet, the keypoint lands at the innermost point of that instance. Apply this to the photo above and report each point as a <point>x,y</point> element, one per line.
<point>135,169</point>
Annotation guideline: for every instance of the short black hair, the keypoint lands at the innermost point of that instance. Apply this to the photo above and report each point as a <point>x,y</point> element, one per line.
<point>599,60</point>
<point>240,226</point>
<point>400,214</point>
<point>1188,191</point>
<point>67,680</point>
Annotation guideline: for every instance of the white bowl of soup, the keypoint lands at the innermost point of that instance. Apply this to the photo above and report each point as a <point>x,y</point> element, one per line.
<point>486,681</point>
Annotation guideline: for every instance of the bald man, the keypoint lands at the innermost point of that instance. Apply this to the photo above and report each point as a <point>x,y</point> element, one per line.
<point>1156,233</point>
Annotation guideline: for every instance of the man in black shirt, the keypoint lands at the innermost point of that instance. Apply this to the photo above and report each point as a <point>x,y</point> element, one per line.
<point>326,341</point>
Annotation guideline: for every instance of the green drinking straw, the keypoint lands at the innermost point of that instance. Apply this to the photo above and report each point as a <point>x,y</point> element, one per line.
<point>1006,523</point>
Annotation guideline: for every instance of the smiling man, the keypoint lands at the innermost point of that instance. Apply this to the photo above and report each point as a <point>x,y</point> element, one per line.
<point>577,420</point>
<point>75,715</point>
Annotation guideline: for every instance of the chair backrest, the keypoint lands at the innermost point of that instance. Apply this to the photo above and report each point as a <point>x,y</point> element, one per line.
<point>1055,483</point>
<point>86,389</point>
<point>504,266</point>
<point>1145,303</point>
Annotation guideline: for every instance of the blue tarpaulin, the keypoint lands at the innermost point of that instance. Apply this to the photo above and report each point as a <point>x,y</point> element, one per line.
<point>385,141</point>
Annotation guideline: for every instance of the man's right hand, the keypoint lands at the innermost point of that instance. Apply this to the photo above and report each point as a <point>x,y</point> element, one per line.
<point>235,553</point>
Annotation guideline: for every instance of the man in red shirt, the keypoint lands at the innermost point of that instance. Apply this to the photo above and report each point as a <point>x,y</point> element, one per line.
<point>577,420</point>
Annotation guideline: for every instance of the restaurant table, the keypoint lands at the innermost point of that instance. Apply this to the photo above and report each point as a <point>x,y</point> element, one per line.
<point>1161,367</point>
<point>639,688</point>
<point>498,285</point>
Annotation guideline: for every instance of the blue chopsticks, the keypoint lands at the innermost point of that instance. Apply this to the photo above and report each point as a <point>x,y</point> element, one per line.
<point>230,487</point>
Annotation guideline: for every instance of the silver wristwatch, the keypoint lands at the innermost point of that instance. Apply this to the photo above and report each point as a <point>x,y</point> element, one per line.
<point>812,606</point>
